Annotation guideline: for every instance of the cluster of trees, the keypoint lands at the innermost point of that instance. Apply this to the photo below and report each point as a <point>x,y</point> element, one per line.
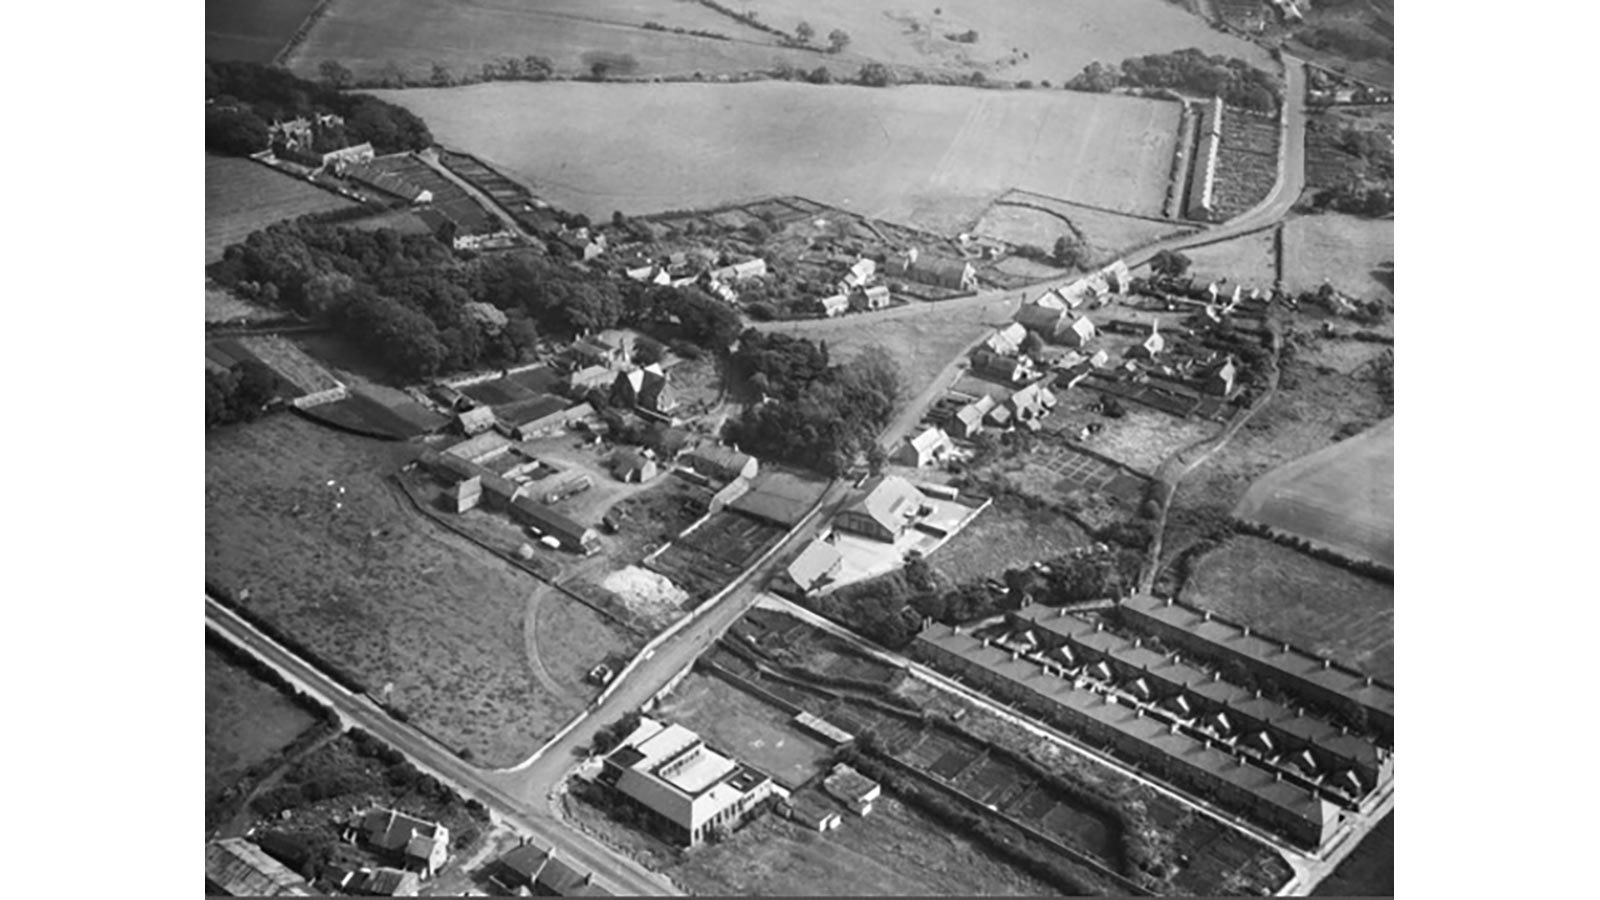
<point>1237,82</point>
<point>240,394</point>
<point>509,68</point>
<point>1171,264</point>
<point>1356,198</point>
<point>610,736</point>
<point>817,415</point>
<point>244,97</point>
<point>1349,41</point>
<point>880,609</point>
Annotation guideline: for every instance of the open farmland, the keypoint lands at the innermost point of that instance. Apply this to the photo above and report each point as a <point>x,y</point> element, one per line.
<point>1340,497</point>
<point>473,655</point>
<point>1356,255</point>
<point>574,35</point>
<point>244,196</point>
<point>247,721</point>
<point>1291,596</point>
<point>252,30</point>
<point>1017,39</point>
<point>923,155</point>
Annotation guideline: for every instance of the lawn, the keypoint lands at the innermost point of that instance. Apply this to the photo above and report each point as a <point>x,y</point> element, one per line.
<point>247,721</point>
<point>1017,39</point>
<point>244,196</point>
<point>472,654</point>
<point>252,30</point>
<point>1291,596</point>
<point>1247,260</point>
<point>923,155</point>
<point>1004,538</point>
<point>1356,255</point>
<point>1341,496</point>
<point>751,730</point>
<point>1368,871</point>
<point>367,35</point>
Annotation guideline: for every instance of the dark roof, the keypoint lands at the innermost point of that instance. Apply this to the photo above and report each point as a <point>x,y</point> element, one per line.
<point>549,521</point>
<point>532,409</point>
<point>525,862</point>
<point>560,878</point>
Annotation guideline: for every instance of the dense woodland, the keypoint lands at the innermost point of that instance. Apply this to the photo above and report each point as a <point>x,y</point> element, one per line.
<point>242,99</point>
<point>240,394</point>
<point>1237,82</point>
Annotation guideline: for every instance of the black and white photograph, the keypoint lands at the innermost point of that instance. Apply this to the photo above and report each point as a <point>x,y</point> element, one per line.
<point>894,448</point>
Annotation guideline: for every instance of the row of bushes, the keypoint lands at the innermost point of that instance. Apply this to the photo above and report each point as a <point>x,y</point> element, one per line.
<point>713,35</point>
<point>1367,568</point>
<point>343,677</point>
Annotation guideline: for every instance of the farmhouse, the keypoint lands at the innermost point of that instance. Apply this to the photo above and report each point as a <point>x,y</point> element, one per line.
<point>646,388</point>
<point>419,844</point>
<point>1079,333</point>
<point>600,350</point>
<point>887,506</point>
<point>816,567</point>
<point>957,275</point>
<point>723,463</point>
<point>868,299</point>
<point>686,786</point>
<point>835,305</point>
<point>1045,321</point>
<point>729,492</point>
<point>859,275</point>
<point>968,420</point>
<point>633,467</point>
<point>475,421</point>
<point>927,448</point>
<point>854,790</point>
<point>549,419</point>
<point>237,868</point>
<point>1006,341</point>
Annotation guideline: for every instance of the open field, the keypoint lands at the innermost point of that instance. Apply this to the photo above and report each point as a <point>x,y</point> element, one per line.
<point>754,732</point>
<point>1024,218</point>
<point>1017,39</point>
<point>928,156</point>
<point>1000,539</point>
<point>1310,603</point>
<point>573,35</point>
<point>1367,872</point>
<point>244,196</point>
<point>1248,260</point>
<point>247,721</point>
<point>1348,251</point>
<point>473,655</point>
<point>1141,439</point>
<point>1341,496</point>
<point>252,30</point>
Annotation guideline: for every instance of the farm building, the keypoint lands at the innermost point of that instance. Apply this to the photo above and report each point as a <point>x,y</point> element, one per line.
<point>868,299</point>
<point>551,421</point>
<point>590,377</point>
<point>530,870</point>
<point>684,784</point>
<point>387,182</point>
<point>957,275</point>
<point>1118,278</point>
<point>730,492</point>
<point>816,567</point>
<point>1004,369</point>
<point>859,275</point>
<point>810,811</point>
<point>599,351</point>
<point>886,507</point>
<point>1045,321</point>
<point>836,305</point>
<point>781,498</point>
<point>926,449</point>
<point>1079,333</point>
<point>355,153</point>
<point>633,467</point>
<point>1007,341</point>
<point>570,534</point>
<point>237,868</point>
<point>723,463</point>
<point>855,790</point>
<point>419,844</point>
<point>750,268</point>
<point>1201,203</point>
<point>481,448</point>
<point>647,389</point>
<point>968,420</point>
<point>466,494</point>
<point>475,421</point>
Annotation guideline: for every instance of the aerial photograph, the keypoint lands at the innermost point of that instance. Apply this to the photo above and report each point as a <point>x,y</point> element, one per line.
<point>799,447</point>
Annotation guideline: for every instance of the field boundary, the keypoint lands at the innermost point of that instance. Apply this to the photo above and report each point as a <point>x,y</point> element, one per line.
<point>308,415</point>
<point>1090,206</point>
<point>1317,550</point>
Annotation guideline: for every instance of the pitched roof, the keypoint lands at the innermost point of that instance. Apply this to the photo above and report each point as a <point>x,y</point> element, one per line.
<point>1083,327</point>
<point>1041,318</point>
<point>889,500</point>
<point>477,418</point>
<point>714,460</point>
<point>393,830</point>
<point>930,439</point>
<point>241,869</point>
<point>816,562</point>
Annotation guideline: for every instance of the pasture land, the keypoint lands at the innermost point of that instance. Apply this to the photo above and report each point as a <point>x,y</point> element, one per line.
<point>1021,217</point>
<point>924,155</point>
<point>574,35</point>
<point>252,30</point>
<point>244,196</point>
<point>247,721</point>
<point>753,731</point>
<point>1356,255</point>
<point>1247,260</point>
<point>1036,40</point>
<point>1341,496</point>
<point>473,653</point>
<point>1002,538</point>
<point>1289,595</point>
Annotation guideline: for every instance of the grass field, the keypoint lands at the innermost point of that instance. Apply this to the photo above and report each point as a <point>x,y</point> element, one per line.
<point>1017,39</point>
<point>1033,219</point>
<point>1341,496</point>
<point>1355,254</point>
<point>1248,260</point>
<point>252,30</point>
<point>1367,872</point>
<point>928,156</point>
<point>367,35</point>
<point>474,655</point>
<point>247,721</point>
<point>753,731</point>
<point>1000,539</point>
<point>1288,595</point>
<point>223,306</point>
<point>244,196</point>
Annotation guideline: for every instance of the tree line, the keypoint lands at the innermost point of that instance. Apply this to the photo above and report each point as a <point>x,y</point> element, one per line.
<point>1237,82</point>
<point>243,98</point>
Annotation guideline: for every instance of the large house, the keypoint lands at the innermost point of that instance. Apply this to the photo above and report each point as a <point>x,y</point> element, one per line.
<point>686,786</point>
<point>926,449</point>
<point>418,844</point>
<point>1046,321</point>
<point>723,463</point>
<point>886,508</point>
<point>957,275</point>
<point>647,389</point>
<point>859,275</point>
<point>816,567</point>
<point>1078,334</point>
<point>1007,341</point>
<point>1005,369</point>
<point>836,305</point>
<point>868,299</point>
